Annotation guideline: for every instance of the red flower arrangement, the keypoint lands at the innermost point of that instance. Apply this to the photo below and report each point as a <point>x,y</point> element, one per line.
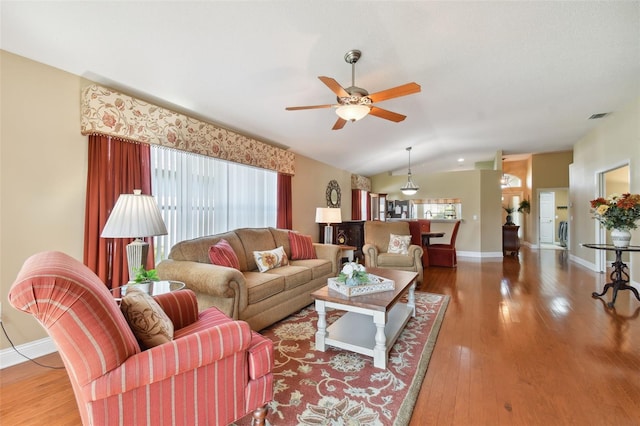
<point>617,211</point>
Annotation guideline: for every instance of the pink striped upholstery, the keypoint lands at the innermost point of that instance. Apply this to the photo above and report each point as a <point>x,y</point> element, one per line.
<point>215,371</point>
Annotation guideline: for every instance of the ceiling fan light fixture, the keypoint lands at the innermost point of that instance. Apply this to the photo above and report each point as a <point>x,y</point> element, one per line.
<point>409,188</point>
<point>352,112</point>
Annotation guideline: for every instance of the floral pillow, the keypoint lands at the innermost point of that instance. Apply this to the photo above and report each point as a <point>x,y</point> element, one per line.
<point>270,259</point>
<point>399,244</point>
<point>149,323</point>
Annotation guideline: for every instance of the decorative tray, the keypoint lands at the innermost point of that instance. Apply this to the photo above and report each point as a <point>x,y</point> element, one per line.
<point>376,284</point>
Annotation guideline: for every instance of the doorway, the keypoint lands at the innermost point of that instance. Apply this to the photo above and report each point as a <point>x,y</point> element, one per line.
<point>547,205</point>
<point>613,181</point>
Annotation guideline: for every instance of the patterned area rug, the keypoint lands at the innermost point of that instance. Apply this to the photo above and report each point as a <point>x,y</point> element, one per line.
<point>338,387</point>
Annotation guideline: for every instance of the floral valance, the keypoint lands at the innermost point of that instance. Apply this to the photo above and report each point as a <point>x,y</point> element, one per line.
<point>360,182</point>
<point>107,112</point>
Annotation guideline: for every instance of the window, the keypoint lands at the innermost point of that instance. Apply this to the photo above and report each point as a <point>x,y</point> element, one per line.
<point>200,195</point>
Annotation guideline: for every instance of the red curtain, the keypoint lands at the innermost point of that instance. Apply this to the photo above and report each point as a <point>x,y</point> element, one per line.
<point>356,202</point>
<point>284,214</point>
<point>368,217</point>
<point>115,167</point>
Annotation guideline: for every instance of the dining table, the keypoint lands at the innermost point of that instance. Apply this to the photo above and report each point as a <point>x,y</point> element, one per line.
<point>426,237</point>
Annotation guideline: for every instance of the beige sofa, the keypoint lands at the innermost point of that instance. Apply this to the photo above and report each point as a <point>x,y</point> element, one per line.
<point>261,299</point>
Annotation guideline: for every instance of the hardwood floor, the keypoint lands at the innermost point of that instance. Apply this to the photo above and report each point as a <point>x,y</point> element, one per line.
<point>522,343</point>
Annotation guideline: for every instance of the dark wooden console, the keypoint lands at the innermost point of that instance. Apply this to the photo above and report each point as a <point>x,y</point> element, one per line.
<point>348,233</point>
<point>510,240</point>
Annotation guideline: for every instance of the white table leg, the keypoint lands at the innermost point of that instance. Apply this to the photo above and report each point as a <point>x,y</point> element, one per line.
<point>322,325</point>
<point>380,349</point>
<point>411,303</point>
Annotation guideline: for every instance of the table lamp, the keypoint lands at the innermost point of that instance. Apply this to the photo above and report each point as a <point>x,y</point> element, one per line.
<point>328,215</point>
<point>135,216</point>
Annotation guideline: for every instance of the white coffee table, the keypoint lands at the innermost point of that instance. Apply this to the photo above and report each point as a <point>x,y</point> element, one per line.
<point>372,322</point>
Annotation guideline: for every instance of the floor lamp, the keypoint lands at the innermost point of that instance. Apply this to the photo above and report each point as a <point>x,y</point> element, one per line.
<point>328,215</point>
<point>135,216</point>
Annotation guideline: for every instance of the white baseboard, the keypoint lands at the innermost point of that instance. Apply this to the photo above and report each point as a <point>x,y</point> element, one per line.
<point>580,261</point>
<point>35,349</point>
<point>479,254</point>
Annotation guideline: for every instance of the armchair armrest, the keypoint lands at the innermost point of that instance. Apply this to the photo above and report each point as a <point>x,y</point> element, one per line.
<point>329,252</point>
<point>217,282</point>
<point>370,252</point>
<point>170,359</point>
<point>415,252</point>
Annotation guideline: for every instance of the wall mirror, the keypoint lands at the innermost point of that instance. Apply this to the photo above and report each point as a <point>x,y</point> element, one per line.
<point>333,194</point>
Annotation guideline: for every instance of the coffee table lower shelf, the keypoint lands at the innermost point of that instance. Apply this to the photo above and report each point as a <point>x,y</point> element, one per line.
<point>367,332</point>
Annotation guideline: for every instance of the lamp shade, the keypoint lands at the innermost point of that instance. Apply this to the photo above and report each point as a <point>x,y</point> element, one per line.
<point>134,216</point>
<point>328,215</point>
<point>352,112</point>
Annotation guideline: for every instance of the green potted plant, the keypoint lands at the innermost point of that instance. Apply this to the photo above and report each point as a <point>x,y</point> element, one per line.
<point>525,207</point>
<point>144,276</point>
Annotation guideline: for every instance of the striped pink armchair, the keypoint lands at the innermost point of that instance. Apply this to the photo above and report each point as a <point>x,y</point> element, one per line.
<point>213,372</point>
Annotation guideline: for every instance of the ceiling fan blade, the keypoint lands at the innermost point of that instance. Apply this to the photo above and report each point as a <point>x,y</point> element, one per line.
<point>339,124</point>
<point>404,90</point>
<point>308,107</point>
<point>334,86</point>
<point>387,115</point>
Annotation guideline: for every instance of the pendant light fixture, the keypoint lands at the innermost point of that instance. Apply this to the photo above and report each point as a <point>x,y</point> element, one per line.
<point>409,188</point>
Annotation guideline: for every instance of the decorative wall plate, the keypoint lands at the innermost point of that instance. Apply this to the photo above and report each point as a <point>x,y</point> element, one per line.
<point>333,194</point>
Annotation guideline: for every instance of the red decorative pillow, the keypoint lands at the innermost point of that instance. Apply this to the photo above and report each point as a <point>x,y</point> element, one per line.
<point>222,254</point>
<point>301,247</point>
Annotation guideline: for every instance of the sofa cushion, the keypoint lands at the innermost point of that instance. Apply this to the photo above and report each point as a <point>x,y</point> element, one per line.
<point>197,249</point>
<point>394,259</point>
<point>222,254</point>
<point>269,259</point>
<point>281,238</point>
<point>301,247</point>
<point>255,239</point>
<point>261,286</point>
<point>294,276</point>
<point>399,243</point>
<point>319,267</point>
<point>149,323</point>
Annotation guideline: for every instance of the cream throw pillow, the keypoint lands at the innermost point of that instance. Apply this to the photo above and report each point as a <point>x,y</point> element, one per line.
<point>149,323</point>
<point>399,244</point>
<point>270,259</point>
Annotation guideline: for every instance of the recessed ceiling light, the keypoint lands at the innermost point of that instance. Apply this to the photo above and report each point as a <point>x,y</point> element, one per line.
<point>460,160</point>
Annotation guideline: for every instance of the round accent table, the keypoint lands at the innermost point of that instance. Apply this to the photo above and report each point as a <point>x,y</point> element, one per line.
<point>620,275</point>
<point>152,288</point>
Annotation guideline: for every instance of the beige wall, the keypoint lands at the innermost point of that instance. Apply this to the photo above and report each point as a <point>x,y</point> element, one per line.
<point>479,191</point>
<point>614,142</point>
<point>308,191</point>
<point>43,170</point>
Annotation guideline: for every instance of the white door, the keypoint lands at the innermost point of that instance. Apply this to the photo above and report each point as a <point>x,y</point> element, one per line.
<point>547,217</point>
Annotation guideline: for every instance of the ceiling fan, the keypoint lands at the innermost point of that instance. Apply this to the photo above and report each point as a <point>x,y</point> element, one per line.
<point>355,103</point>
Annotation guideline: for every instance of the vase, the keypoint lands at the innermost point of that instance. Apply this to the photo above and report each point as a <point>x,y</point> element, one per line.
<point>352,282</point>
<point>620,238</point>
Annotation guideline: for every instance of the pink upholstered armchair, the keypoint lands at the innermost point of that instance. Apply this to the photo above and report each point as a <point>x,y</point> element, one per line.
<point>213,372</point>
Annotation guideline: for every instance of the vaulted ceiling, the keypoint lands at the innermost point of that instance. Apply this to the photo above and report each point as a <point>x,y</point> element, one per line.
<point>520,77</point>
